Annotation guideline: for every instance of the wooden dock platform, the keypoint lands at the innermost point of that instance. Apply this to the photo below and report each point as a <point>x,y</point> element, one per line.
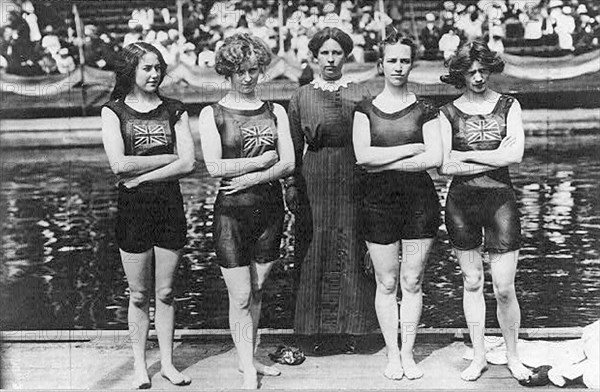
<point>72,361</point>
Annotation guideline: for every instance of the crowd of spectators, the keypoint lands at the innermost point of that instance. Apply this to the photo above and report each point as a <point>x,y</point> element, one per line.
<point>36,41</point>
<point>553,26</point>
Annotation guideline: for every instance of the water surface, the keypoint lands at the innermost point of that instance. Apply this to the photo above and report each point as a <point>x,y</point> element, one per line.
<point>60,267</point>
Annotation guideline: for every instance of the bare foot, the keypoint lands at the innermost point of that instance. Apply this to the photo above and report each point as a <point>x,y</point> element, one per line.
<point>394,370</point>
<point>264,370</point>
<point>411,370</point>
<point>175,376</point>
<point>250,379</point>
<point>474,370</point>
<point>140,378</point>
<point>517,369</point>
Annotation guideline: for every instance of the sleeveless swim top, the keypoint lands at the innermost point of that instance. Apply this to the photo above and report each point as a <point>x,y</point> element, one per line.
<point>402,127</point>
<point>247,134</point>
<point>477,132</point>
<point>148,133</point>
<point>394,129</point>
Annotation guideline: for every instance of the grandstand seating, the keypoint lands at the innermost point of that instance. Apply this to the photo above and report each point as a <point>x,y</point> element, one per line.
<point>418,8</point>
<point>113,15</point>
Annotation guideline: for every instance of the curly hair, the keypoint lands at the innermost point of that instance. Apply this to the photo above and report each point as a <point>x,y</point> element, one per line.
<point>239,49</point>
<point>394,37</point>
<point>314,45</point>
<point>466,55</point>
<point>128,61</point>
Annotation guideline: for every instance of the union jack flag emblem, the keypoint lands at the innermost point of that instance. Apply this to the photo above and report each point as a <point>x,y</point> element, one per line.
<point>149,134</point>
<point>486,130</point>
<point>257,136</point>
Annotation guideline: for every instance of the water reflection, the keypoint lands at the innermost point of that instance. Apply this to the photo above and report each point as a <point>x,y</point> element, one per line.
<point>60,266</point>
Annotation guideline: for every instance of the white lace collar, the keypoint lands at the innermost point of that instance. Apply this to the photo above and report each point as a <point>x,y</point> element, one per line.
<point>325,85</point>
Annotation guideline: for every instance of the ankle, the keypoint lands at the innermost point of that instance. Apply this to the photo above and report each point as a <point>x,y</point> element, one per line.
<point>166,365</point>
<point>479,361</point>
<point>406,353</point>
<point>140,363</point>
<point>247,366</point>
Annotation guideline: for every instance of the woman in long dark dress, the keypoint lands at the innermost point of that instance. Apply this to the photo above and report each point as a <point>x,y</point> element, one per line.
<point>334,296</point>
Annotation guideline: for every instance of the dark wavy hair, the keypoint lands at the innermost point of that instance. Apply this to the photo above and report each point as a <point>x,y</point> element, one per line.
<point>392,38</point>
<point>127,63</point>
<point>239,49</point>
<point>466,55</point>
<point>314,45</point>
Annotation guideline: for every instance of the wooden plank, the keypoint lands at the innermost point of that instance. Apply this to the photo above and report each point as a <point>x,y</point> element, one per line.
<point>212,366</point>
<point>183,334</point>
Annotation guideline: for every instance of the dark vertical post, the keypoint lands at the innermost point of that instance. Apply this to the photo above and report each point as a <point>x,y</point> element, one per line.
<point>281,22</point>
<point>80,39</point>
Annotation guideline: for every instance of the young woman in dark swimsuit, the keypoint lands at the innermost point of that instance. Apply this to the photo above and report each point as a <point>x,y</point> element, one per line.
<point>247,143</point>
<point>482,134</point>
<point>396,139</point>
<point>149,146</point>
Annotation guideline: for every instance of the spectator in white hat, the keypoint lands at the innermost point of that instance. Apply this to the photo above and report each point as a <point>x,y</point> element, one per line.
<point>188,54</point>
<point>206,57</point>
<point>449,43</point>
<point>565,27</point>
<point>430,36</point>
<point>32,21</point>
<point>64,62</point>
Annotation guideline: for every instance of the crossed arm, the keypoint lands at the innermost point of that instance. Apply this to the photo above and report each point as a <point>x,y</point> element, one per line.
<point>473,162</point>
<point>412,157</point>
<point>243,173</point>
<point>135,170</point>
<point>212,152</point>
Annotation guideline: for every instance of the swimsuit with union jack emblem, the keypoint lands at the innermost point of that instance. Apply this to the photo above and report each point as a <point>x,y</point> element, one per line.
<point>485,202</point>
<point>247,225</point>
<point>480,132</point>
<point>247,134</point>
<point>148,133</point>
<point>152,213</point>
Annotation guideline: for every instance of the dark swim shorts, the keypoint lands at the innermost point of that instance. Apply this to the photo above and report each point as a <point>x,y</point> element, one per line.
<point>150,215</point>
<point>397,208</point>
<point>468,210</point>
<point>248,233</point>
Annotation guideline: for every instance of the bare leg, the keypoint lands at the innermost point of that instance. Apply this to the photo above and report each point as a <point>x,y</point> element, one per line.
<point>238,281</point>
<point>386,264</point>
<point>504,268</point>
<point>138,268</point>
<point>259,273</point>
<point>164,318</point>
<point>414,257</point>
<point>471,265</point>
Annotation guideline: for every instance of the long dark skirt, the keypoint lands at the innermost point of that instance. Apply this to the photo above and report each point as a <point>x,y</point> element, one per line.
<point>334,294</point>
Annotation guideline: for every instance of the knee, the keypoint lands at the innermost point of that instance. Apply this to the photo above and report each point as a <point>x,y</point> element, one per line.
<point>387,284</point>
<point>258,284</point>
<point>411,283</point>
<point>473,282</point>
<point>504,293</point>
<point>165,295</point>
<point>257,289</point>
<point>241,299</point>
<point>139,298</point>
